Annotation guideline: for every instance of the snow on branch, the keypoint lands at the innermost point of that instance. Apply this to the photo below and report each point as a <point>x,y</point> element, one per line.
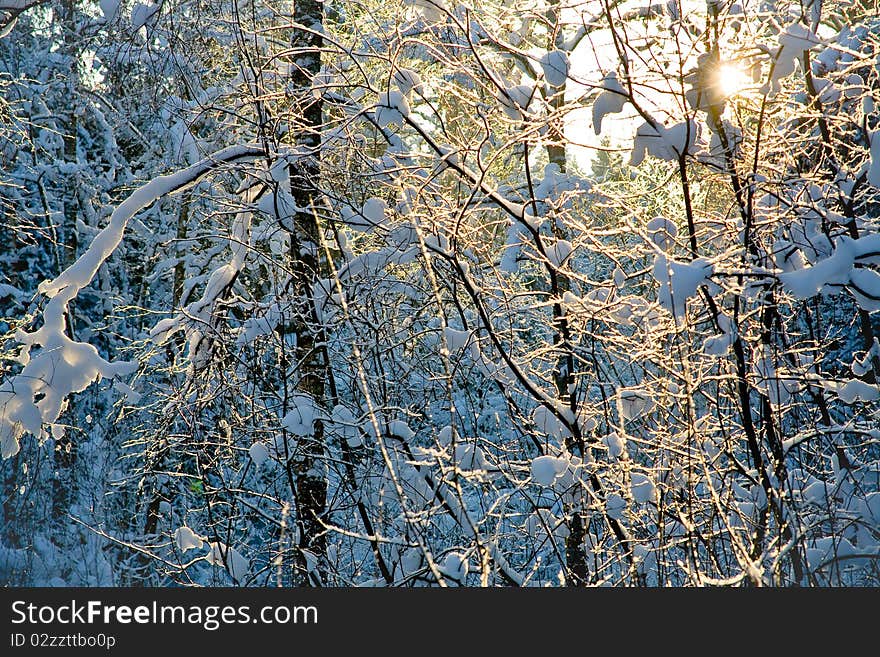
<point>10,11</point>
<point>36,396</point>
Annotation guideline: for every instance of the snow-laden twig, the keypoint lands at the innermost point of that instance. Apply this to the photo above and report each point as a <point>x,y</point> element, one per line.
<point>37,396</point>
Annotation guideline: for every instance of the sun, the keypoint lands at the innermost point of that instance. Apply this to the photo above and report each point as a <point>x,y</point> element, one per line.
<point>732,78</point>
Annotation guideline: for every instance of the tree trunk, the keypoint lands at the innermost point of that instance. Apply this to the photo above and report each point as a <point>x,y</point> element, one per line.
<point>310,490</point>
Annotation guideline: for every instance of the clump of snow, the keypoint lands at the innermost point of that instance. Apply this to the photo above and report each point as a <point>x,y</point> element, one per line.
<point>300,420</point>
<point>718,345</point>
<point>874,167</point>
<point>548,422</point>
<point>455,340</point>
<point>679,281</point>
<point>259,453</point>
<point>542,523</point>
<point>555,65</point>
<point>664,143</point>
<point>141,14</point>
<point>793,41</point>
<point>864,285</point>
<point>643,489</point>
<point>109,8</point>
<point>615,444</point>
<point>816,492</point>
<point>408,81</point>
<point>610,100</point>
<point>391,108</point>
<point>838,271</point>
<point>186,539</point>
<point>662,232</point>
<point>834,271</point>
<point>259,325</point>
<point>869,509</point>
<point>515,100</point>
<point>633,403</point>
<point>615,506</point>
<point>222,556</point>
<point>861,365</point>
<point>432,11</point>
<point>132,396</point>
<point>854,390</point>
<point>823,551</point>
<point>455,566</point>
<point>470,457</point>
<point>558,252</point>
<point>345,424</point>
<point>374,210</point>
<point>545,469</point>
<point>401,429</point>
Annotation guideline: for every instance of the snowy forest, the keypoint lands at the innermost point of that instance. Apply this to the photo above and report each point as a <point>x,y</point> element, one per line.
<point>515,293</point>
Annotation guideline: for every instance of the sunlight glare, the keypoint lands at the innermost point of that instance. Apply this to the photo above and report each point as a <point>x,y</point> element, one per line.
<point>732,78</point>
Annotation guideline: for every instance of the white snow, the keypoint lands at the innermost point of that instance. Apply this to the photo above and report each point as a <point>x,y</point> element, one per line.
<point>864,285</point>
<point>374,211</point>
<point>259,453</point>
<point>718,345</point>
<point>793,41</point>
<point>141,14</point>
<point>615,506</point>
<point>558,252</point>
<point>548,423</point>
<point>853,390</point>
<point>615,444</point>
<point>816,493</point>
<point>662,232</point>
<point>664,143</point>
<point>132,396</point>
<point>545,469</point>
<point>391,108</point>
<point>834,270</point>
<point>346,425</point>
<point>278,204</point>
<point>470,457</point>
<point>455,566</point>
<point>222,555</point>
<point>679,281</point>
<point>186,539</point>
<point>401,429</point>
<point>869,509</point>
<point>455,339</point>
<point>844,267</point>
<point>633,403</point>
<point>63,366</point>
<point>300,420</point>
<point>874,167</point>
<point>514,100</point>
<point>433,11</point>
<point>609,101</point>
<point>643,489</point>
<point>823,550</point>
<point>555,65</point>
<point>256,326</point>
<point>408,81</point>
<point>109,8</point>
